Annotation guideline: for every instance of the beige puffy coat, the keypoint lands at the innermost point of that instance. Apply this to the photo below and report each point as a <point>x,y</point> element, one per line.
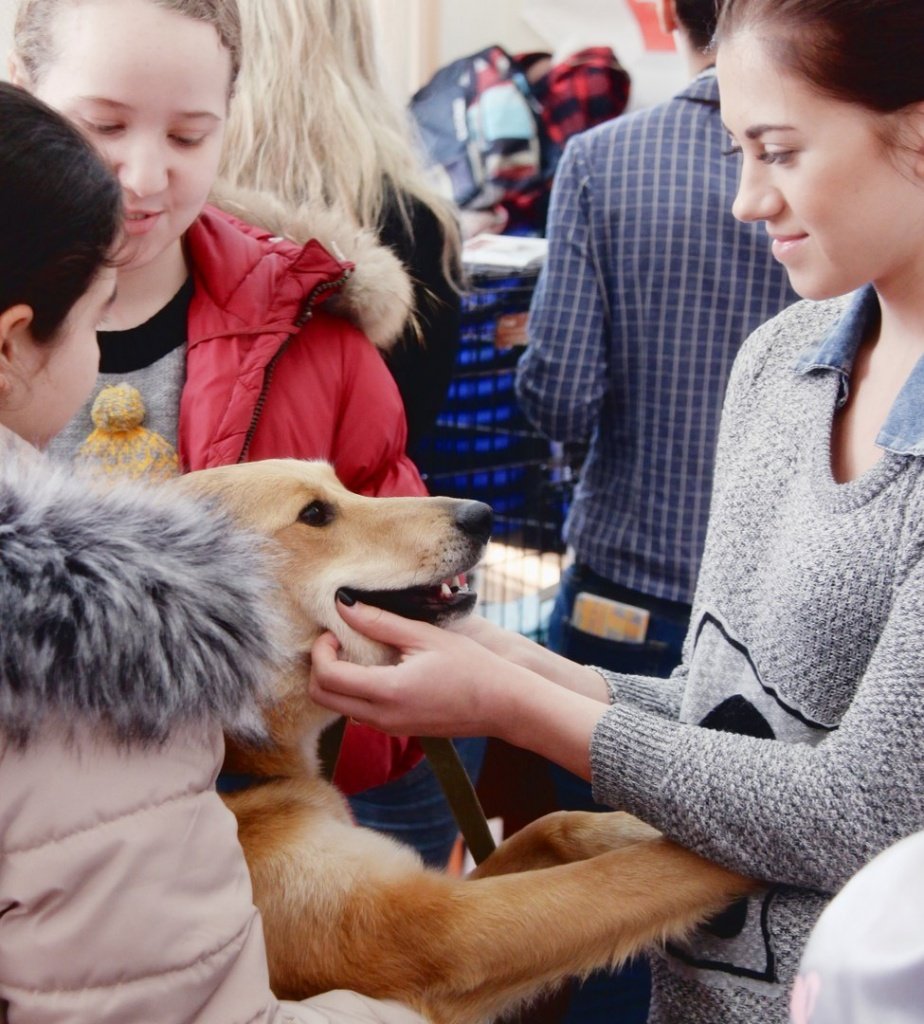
<point>132,634</point>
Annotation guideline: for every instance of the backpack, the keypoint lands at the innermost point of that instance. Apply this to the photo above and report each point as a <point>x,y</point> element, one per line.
<point>481,129</point>
<point>582,90</point>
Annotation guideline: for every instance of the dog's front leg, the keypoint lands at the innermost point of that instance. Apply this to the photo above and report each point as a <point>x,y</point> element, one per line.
<point>530,931</point>
<point>466,952</point>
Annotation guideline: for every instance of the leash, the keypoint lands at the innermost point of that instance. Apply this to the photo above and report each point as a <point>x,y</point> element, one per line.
<point>460,795</point>
<point>450,773</point>
<point>329,748</point>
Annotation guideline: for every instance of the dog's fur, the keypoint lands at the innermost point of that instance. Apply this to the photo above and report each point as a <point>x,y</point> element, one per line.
<point>345,907</point>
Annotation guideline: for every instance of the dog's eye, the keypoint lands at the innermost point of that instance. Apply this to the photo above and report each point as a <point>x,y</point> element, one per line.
<point>318,513</point>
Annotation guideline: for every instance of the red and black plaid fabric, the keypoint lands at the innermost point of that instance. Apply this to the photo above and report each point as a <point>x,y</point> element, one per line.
<point>586,88</point>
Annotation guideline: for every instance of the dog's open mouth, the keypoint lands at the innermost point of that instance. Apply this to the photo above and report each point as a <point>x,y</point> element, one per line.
<point>434,604</point>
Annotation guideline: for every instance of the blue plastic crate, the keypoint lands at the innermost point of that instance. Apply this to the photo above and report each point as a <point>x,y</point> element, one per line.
<point>456,449</point>
<point>487,388</point>
<point>487,482</point>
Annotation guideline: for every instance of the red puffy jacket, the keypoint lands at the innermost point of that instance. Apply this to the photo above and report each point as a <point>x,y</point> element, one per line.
<point>270,374</point>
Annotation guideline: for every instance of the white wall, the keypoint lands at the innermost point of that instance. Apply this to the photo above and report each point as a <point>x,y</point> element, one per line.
<point>473,24</point>
<point>421,36</point>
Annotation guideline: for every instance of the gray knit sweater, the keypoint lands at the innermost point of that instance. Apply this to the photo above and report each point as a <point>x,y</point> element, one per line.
<point>789,744</point>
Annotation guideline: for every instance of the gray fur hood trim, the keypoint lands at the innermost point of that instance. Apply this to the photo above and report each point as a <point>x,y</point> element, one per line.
<point>130,608</point>
<point>378,297</point>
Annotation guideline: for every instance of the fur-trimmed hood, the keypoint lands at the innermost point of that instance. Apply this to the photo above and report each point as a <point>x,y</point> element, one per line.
<point>130,608</point>
<point>378,297</point>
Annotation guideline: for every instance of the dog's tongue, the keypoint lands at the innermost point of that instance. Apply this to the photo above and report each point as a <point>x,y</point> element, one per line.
<point>426,604</point>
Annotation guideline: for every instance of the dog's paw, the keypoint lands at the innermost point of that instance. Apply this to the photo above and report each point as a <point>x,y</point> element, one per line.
<point>615,829</point>
<point>563,837</point>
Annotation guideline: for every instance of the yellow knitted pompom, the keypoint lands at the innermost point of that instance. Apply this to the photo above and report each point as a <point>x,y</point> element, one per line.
<point>120,445</point>
<point>118,408</point>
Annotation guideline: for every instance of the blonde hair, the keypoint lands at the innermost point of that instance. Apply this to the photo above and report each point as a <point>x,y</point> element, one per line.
<point>312,118</point>
<point>33,35</point>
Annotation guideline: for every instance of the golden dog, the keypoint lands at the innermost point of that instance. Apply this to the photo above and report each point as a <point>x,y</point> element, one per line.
<point>345,907</point>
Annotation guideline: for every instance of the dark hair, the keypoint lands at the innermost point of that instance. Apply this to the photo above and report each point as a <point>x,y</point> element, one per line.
<point>868,52</point>
<point>698,18</point>
<point>60,211</point>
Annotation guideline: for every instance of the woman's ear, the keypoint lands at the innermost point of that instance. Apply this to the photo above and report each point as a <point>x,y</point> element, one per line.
<point>666,14</point>
<point>15,340</point>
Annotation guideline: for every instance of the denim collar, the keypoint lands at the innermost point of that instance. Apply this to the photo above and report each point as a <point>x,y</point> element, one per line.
<point>903,430</point>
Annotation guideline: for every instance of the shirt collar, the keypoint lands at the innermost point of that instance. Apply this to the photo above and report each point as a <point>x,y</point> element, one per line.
<point>903,430</point>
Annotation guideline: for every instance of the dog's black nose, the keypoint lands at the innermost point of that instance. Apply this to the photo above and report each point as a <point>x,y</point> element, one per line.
<point>476,519</point>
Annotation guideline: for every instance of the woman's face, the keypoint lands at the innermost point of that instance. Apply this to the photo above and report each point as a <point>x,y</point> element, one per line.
<point>842,208</point>
<point>149,88</point>
<point>50,381</point>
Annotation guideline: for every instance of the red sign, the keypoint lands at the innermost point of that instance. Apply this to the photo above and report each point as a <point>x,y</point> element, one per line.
<point>645,14</point>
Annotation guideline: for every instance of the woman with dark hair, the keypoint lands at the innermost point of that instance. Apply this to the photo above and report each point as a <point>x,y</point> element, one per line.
<point>60,210</point>
<point>135,630</point>
<point>787,743</point>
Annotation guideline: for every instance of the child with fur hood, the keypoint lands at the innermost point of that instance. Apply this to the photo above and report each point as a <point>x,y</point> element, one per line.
<point>133,635</point>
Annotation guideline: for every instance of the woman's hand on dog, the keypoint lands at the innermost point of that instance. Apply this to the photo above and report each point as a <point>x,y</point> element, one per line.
<point>520,650</point>
<point>409,697</point>
<point>449,684</point>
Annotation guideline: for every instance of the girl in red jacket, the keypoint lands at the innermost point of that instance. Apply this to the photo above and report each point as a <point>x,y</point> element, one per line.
<point>221,345</point>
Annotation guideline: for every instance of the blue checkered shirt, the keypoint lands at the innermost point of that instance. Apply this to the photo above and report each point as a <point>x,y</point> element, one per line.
<point>649,289</point>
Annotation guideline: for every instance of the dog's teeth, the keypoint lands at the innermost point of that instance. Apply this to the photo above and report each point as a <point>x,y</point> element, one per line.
<point>445,590</point>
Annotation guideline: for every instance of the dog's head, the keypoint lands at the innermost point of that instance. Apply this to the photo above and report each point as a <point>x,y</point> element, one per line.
<point>403,554</point>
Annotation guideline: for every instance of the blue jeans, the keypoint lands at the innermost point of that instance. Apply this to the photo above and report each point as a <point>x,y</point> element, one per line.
<point>620,996</point>
<point>413,808</point>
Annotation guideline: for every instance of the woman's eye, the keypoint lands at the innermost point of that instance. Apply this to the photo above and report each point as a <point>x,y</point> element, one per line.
<point>106,129</point>
<point>778,156</point>
<point>317,513</point>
